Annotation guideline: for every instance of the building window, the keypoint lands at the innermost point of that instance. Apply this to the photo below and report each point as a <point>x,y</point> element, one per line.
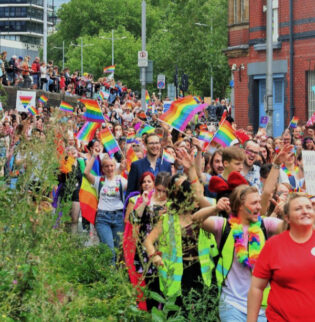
<point>275,21</point>
<point>311,93</point>
<point>238,11</point>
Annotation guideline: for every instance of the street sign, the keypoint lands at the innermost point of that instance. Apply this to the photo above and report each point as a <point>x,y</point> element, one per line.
<point>161,81</point>
<point>171,91</point>
<point>142,58</point>
<point>148,73</point>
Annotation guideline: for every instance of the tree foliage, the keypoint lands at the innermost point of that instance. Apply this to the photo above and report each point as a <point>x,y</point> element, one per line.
<point>173,38</point>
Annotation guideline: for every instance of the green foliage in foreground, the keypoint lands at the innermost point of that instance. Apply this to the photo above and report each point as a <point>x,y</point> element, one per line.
<point>46,274</point>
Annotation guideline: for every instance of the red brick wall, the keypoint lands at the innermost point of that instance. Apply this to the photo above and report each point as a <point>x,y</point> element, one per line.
<point>304,56</point>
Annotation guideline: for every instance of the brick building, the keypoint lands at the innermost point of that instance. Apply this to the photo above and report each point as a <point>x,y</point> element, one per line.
<point>293,60</point>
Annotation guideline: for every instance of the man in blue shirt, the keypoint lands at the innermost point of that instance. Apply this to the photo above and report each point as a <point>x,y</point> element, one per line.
<point>152,162</point>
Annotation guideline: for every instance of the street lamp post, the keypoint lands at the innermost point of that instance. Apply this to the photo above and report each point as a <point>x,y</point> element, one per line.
<point>81,52</point>
<point>63,53</point>
<point>113,44</point>
<point>211,73</point>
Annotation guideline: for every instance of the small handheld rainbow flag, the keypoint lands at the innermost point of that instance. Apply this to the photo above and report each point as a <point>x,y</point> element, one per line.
<point>147,97</point>
<point>182,111</point>
<point>103,95</point>
<point>93,112</point>
<point>25,100</point>
<point>109,142</point>
<point>109,69</point>
<point>205,136</point>
<point>130,137</point>
<point>130,157</point>
<point>167,156</point>
<point>32,110</point>
<point>43,99</point>
<point>87,131</point>
<point>64,106</point>
<point>146,129</point>
<point>294,122</point>
<point>225,134</point>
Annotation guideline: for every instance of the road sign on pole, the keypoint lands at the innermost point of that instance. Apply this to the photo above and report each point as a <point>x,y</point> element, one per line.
<point>142,58</point>
<point>161,81</point>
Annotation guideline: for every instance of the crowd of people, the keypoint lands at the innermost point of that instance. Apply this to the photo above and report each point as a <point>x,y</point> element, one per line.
<point>26,73</point>
<point>200,218</point>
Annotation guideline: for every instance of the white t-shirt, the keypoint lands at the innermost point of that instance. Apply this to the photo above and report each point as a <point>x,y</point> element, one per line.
<point>110,198</point>
<point>237,282</point>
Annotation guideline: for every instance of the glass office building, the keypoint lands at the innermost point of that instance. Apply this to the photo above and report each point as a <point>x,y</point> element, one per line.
<point>23,20</point>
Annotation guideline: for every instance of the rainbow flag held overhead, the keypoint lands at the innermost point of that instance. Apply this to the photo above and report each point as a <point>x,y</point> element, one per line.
<point>294,122</point>
<point>137,126</point>
<point>147,97</point>
<point>87,194</point>
<point>167,156</point>
<point>93,112</point>
<point>205,136</point>
<point>43,99</point>
<point>146,129</point>
<point>182,111</point>
<point>25,100</point>
<point>103,95</point>
<point>32,110</point>
<point>225,134</point>
<point>109,142</point>
<point>87,131</point>
<point>109,69</point>
<point>64,106</point>
<point>130,157</point>
<point>131,137</point>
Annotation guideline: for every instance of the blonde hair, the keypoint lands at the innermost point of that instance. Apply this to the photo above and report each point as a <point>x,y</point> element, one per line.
<point>106,157</point>
<point>293,196</point>
<point>238,196</point>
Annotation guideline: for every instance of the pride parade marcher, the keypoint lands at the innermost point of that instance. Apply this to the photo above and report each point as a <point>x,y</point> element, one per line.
<point>287,262</point>
<point>182,255</point>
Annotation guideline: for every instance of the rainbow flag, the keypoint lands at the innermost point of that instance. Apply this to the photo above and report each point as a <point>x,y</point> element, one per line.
<point>93,112</point>
<point>225,134</point>
<point>130,157</point>
<point>167,156</point>
<point>224,116</point>
<point>25,100</point>
<point>87,194</point>
<point>32,110</point>
<point>137,126</point>
<point>182,111</point>
<point>205,136</point>
<point>64,106</point>
<point>43,99</point>
<point>103,95</point>
<point>146,129</point>
<point>131,137</point>
<point>87,131</point>
<point>294,122</point>
<point>109,142</point>
<point>109,69</point>
<point>147,97</point>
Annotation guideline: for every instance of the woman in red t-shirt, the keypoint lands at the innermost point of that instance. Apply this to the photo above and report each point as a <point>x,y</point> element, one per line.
<point>288,262</point>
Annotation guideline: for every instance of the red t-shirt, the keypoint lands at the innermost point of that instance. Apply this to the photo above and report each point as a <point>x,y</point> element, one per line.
<point>290,267</point>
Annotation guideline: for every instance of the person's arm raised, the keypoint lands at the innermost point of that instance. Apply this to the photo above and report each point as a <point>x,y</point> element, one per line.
<point>273,176</point>
<point>202,214</point>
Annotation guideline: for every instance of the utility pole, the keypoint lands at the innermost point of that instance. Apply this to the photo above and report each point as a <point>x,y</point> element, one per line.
<point>81,45</point>
<point>45,33</point>
<point>63,53</point>
<point>269,79</point>
<point>143,38</point>
<point>113,39</point>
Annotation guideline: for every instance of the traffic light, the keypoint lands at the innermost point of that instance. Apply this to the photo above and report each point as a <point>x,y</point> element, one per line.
<point>184,83</point>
